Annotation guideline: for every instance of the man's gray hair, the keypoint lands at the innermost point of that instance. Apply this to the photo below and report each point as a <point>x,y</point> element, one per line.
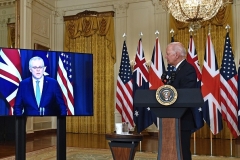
<point>178,47</point>
<point>33,59</point>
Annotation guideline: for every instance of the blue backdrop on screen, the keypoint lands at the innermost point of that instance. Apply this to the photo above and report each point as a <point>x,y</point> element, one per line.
<point>82,77</point>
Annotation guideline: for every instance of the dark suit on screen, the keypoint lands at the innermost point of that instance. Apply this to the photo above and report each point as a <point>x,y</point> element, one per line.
<point>186,78</point>
<point>51,99</point>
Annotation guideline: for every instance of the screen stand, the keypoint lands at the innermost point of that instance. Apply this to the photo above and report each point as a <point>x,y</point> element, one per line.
<point>61,138</point>
<point>20,136</point>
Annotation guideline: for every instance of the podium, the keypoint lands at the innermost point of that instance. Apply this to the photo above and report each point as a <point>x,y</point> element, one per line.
<point>123,147</point>
<point>169,138</point>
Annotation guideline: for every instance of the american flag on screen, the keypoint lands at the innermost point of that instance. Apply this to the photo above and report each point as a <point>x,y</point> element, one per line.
<point>10,74</point>
<point>210,89</point>
<point>124,95</point>
<point>192,58</point>
<point>64,78</point>
<point>157,67</point>
<point>229,88</point>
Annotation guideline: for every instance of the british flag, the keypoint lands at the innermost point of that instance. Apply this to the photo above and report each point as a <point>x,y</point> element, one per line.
<point>64,78</point>
<point>157,67</point>
<point>124,95</point>
<point>229,88</point>
<point>10,74</point>
<point>210,89</point>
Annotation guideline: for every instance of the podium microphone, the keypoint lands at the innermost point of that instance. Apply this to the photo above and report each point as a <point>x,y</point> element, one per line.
<point>164,78</point>
<point>172,77</point>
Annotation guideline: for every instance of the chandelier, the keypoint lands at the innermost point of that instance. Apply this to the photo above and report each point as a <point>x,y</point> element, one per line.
<point>193,11</point>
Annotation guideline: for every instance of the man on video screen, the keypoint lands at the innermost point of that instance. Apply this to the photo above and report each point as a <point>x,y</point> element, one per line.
<point>39,95</point>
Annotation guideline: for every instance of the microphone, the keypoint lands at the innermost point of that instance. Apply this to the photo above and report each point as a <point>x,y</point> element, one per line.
<point>164,78</point>
<point>172,77</point>
<point>42,110</point>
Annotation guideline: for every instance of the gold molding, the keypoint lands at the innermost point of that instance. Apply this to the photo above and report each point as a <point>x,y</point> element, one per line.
<point>88,13</point>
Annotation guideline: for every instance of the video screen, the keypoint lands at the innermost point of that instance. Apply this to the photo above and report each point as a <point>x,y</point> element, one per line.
<point>45,83</point>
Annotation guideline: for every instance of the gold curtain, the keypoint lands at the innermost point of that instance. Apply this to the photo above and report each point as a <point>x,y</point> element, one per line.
<point>93,32</point>
<point>216,26</point>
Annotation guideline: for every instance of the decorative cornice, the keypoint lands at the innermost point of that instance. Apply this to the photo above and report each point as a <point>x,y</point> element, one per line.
<point>158,7</point>
<point>121,9</point>
<point>52,8</point>
<point>97,5</point>
<point>89,13</point>
<point>7,3</point>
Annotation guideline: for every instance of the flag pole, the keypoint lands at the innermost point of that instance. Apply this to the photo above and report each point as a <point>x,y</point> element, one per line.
<point>231,154</point>
<point>194,134</point>
<point>211,144</point>
<point>194,143</point>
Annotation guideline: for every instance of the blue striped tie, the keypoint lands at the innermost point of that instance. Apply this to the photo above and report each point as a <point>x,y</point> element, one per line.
<point>38,94</point>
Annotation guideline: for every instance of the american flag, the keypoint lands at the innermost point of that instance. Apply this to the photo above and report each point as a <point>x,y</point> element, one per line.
<point>192,58</point>
<point>142,115</point>
<point>239,96</point>
<point>156,68</point>
<point>10,74</point>
<point>124,95</point>
<point>210,89</point>
<point>229,88</point>
<point>64,78</point>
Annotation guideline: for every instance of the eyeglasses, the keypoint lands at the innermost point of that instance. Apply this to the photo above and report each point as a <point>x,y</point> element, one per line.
<point>40,67</point>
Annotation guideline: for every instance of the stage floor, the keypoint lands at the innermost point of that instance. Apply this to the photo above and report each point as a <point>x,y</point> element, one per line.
<point>98,141</point>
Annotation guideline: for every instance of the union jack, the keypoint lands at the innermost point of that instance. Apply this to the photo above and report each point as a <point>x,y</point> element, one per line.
<point>210,89</point>
<point>10,75</point>
<point>157,67</point>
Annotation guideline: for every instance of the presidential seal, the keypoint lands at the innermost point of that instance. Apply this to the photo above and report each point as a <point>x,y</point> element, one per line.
<point>166,95</point>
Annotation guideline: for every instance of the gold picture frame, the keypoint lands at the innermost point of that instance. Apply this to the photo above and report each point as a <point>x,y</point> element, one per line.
<point>40,47</point>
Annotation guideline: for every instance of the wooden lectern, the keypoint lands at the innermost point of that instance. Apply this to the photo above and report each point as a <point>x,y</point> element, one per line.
<point>169,140</point>
<point>123,147</point>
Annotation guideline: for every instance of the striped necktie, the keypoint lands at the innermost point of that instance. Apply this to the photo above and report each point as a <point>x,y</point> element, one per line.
<point>38,94</point>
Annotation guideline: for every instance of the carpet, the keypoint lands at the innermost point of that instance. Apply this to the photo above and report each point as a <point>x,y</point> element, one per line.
<point>74,153</point>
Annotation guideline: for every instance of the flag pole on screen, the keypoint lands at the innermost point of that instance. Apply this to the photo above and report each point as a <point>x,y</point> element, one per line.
<point>124,93</point>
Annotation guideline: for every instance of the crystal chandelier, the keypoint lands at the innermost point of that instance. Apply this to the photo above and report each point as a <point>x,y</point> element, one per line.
<point>192,11</point>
